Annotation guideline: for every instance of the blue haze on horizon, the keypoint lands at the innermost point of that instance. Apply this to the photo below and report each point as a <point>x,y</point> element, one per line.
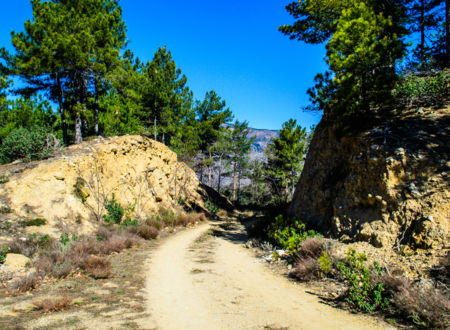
<point>233,47</point>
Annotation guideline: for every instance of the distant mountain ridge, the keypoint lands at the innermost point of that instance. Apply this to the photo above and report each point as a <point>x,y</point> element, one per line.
<point>262,139</point>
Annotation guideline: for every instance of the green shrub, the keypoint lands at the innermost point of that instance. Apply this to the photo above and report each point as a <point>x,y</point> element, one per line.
<point>3,253</point>
<point>211,207</point>
<point>25,143</point>
<point>64,239</point>
<point>326,265</point>
<point>128,222</point>
<point>35,222</point>
<point>423,90</point>
<point>289,233</point>
<point>115,211</point>
<point>364,293</point>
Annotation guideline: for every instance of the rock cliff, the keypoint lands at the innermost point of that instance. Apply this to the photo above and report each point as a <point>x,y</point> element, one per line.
<point>388,186</point>
<point>70,190</point>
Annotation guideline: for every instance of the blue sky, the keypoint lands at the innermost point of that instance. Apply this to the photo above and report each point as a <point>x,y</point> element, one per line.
<point>233,47</point>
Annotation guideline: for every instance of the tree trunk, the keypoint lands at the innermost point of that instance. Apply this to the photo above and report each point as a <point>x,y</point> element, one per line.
<point>84,102</point>
<point>78,135</point>
<point>218,178</point>
<point>154,129</point>
<point>62,112</point>
<point>234,181</point>
<point>97,107</point>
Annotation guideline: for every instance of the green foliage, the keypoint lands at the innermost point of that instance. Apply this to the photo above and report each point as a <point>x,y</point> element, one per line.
<point>364,43</point>
<point>423,90</point>
<point>35,222</point>
<point>28,144</point>
<point>115,211</point>
<point>3,179</point>
<point>211,207</point>
<point>326,265</point>
<point>129,222</point>
<point>211,114</point>
<point>3,253</point>
<point>285,156</point>
<point>364,294</point>
<point>289,233</point>
<point>64,239</point>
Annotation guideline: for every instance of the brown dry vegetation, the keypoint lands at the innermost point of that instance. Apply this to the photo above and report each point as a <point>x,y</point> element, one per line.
<point>423,305</point>
<point>53,304</point>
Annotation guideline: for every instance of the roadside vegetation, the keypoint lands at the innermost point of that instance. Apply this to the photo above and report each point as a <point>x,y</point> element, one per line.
<point>88,255</point>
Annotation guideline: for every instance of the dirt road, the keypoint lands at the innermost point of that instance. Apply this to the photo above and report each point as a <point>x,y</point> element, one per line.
<point>200,281</point>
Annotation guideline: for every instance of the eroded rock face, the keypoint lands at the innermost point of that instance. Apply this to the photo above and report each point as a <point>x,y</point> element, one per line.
<point>70,190</point>
<point>387,186</point>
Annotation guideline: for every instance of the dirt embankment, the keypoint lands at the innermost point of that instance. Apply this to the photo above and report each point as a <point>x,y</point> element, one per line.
<point>71,189</point>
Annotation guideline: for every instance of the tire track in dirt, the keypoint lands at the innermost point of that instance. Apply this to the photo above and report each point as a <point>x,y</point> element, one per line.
<point>199,281</point>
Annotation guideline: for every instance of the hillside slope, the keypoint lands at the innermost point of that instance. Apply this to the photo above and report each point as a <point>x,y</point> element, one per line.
<point>388,186</point>
<point>70,189</point>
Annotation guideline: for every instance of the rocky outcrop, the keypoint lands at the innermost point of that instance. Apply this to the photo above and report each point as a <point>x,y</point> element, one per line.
<point>70,190</point>
<point>388,186</point>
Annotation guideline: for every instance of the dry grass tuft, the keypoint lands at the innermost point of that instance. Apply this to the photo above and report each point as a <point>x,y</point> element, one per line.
<point>145,231</point>
<point>27,282</point>
<point>426,307</point>
<point>307,266</point>
<point>154,223</point>
<point>53,304</point>
<point>306,269</point>
<point>98,267</point>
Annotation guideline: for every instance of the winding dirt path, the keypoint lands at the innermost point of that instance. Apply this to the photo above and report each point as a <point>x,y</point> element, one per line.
<point>199,281</point>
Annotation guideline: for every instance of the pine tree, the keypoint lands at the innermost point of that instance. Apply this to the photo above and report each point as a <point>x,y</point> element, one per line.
<point>66,50</point>
<point>364,43</point>
<point>211,114</point>
<point>166,97</point>
<point>285,156</point>
<point>240,147</point>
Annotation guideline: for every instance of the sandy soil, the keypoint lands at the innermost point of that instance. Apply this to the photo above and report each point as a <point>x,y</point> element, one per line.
<point>197,280</point>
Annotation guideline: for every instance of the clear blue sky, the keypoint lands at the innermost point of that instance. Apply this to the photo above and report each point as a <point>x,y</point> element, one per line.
<point>233,47</point>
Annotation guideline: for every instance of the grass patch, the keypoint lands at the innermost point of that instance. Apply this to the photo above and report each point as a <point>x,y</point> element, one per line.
<point>35,222</point>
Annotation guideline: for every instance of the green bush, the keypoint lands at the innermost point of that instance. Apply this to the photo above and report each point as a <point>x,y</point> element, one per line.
<point>3,253</point>
<point>115,211</point>
<point>364,293</point>
<point>289,233</point>
<point>25,143</point>
<point>211,207</point>
<point>35,222</point>
<point>326,265</point>
<point>423,90</point>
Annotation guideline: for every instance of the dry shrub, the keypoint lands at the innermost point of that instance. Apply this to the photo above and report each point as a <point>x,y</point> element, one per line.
<point>307,266</point>
<point>83,247</point>
<point>27,282</point>
<point>311,248</point>
<point>98,267</point>
<point>118,242</point>
<point>145,231</point>
<point>306,269</point>
<point>426,307</point>
<point>104,233</point>
<point>155,223</point>
<point>54,264</point>
<point>202,217</point>
<point>53,304</point>
<point>26,247</point>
